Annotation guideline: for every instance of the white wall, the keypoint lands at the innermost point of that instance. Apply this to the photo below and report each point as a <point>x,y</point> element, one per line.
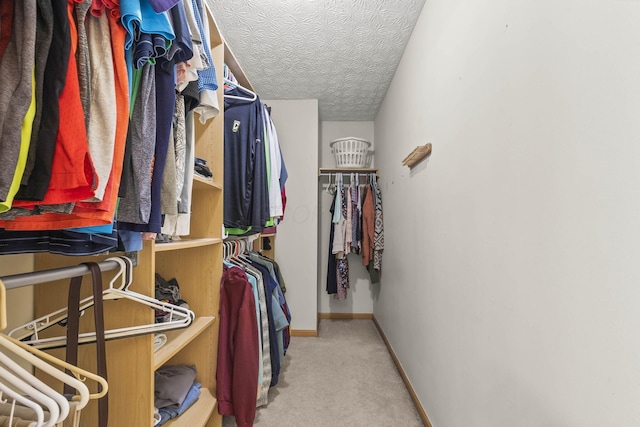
<point>296,243</point>
<point>511,271</point>
<point>360,295</point>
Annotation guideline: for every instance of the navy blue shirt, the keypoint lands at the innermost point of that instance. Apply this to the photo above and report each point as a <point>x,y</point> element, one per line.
<point>246,193</point>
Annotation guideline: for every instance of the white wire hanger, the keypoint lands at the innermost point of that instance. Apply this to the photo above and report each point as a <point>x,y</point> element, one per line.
<point>175,316</point>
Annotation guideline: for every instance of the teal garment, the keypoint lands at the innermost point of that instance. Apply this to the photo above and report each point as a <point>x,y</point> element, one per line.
<point>138,15</point>
<point>337,210</point>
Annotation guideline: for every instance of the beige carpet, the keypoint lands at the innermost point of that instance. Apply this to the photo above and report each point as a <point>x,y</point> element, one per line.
<point>343,377</point>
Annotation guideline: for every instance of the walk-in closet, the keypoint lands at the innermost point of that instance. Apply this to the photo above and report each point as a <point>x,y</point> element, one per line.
<point>219,213</point>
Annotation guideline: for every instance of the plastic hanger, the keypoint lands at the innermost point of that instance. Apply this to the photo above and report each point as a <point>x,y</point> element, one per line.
<point>44,362</point>
<point>47,363</point>
<point>6,392</point>
<point>242,88</point>
<point>331,188</point>
<point>34,394</point>
<point>178,317</point>
<point>61,402</point>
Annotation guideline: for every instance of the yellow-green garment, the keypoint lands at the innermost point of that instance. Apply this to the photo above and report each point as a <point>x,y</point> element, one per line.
<point>25,139</point>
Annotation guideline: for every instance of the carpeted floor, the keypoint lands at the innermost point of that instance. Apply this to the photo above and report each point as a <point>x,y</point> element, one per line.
<point>343,377</point>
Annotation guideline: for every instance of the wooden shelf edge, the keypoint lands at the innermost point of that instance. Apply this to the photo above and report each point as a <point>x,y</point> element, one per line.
<point>186,244</point>
<point>178,339</point>
<point>236,69</point>
<point>198,413</point>
<point>199,180</point>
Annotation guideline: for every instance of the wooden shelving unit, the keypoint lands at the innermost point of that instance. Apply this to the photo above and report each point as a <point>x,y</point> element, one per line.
<point>198,414</point>
<point>196,263</point>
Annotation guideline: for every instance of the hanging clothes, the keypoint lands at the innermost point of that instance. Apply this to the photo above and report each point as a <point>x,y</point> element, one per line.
<point>246,197</point>
<point>255,173</point>
<point>356,228</point>
<point>102,65</point>
<point>273,316</point>
<point>237,371</point>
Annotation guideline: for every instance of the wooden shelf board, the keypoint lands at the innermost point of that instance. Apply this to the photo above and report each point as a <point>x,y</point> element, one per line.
<point>198,413</point>
<point>186,244</point>
<point>178,339</point>
<point>202,181</point>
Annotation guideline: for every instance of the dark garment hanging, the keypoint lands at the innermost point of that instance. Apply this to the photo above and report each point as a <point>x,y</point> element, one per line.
<point>64,242</point>
<point>165,102</point>
<point>332,265</point>
<point>54,81</point>
<point>16,69</point>
<point>246,193</point>
<point>44,36</point>
<point>181,49</point>
<point>272,267</point>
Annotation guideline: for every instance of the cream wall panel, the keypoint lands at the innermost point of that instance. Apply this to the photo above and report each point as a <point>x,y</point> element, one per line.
<point>510,289</point>
<point>296,248</point>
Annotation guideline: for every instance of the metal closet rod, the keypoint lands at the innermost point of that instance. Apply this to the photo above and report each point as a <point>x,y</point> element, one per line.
<point>44,276</point>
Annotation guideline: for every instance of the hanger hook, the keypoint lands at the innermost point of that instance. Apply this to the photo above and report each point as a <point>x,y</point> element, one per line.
<point>120,274</point>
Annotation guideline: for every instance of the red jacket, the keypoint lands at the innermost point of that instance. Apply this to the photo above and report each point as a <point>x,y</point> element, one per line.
<point>237,371</point>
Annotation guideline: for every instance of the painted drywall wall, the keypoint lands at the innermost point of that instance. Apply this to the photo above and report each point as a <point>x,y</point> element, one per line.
<point>511,270</point>
<point>296,243</point>
<point>360,294</point>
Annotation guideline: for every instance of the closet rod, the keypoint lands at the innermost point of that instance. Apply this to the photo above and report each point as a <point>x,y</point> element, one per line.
<point>346,171</point>
<point>44,276</point>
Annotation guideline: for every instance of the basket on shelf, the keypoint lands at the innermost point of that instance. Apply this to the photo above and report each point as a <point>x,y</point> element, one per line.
<point>351,152</point>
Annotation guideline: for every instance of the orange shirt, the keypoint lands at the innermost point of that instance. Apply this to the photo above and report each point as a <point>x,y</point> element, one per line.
<point>99,213</point>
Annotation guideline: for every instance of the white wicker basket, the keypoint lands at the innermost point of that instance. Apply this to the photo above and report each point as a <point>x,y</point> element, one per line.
<point>351,152</point>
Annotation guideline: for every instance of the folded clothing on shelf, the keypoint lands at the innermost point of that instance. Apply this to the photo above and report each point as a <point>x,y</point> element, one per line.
<point>168,291</point>
<point>201,168</point>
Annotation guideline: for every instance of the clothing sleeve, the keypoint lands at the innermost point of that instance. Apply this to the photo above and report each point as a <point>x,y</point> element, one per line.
<point>237,373</point>
<point>245,372</point>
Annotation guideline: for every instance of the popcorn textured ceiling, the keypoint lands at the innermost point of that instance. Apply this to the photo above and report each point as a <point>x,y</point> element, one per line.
<point>342,52</point>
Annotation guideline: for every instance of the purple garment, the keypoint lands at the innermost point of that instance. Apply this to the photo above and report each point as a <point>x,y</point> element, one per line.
<point>355,219</point>
<point>163,5</point>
